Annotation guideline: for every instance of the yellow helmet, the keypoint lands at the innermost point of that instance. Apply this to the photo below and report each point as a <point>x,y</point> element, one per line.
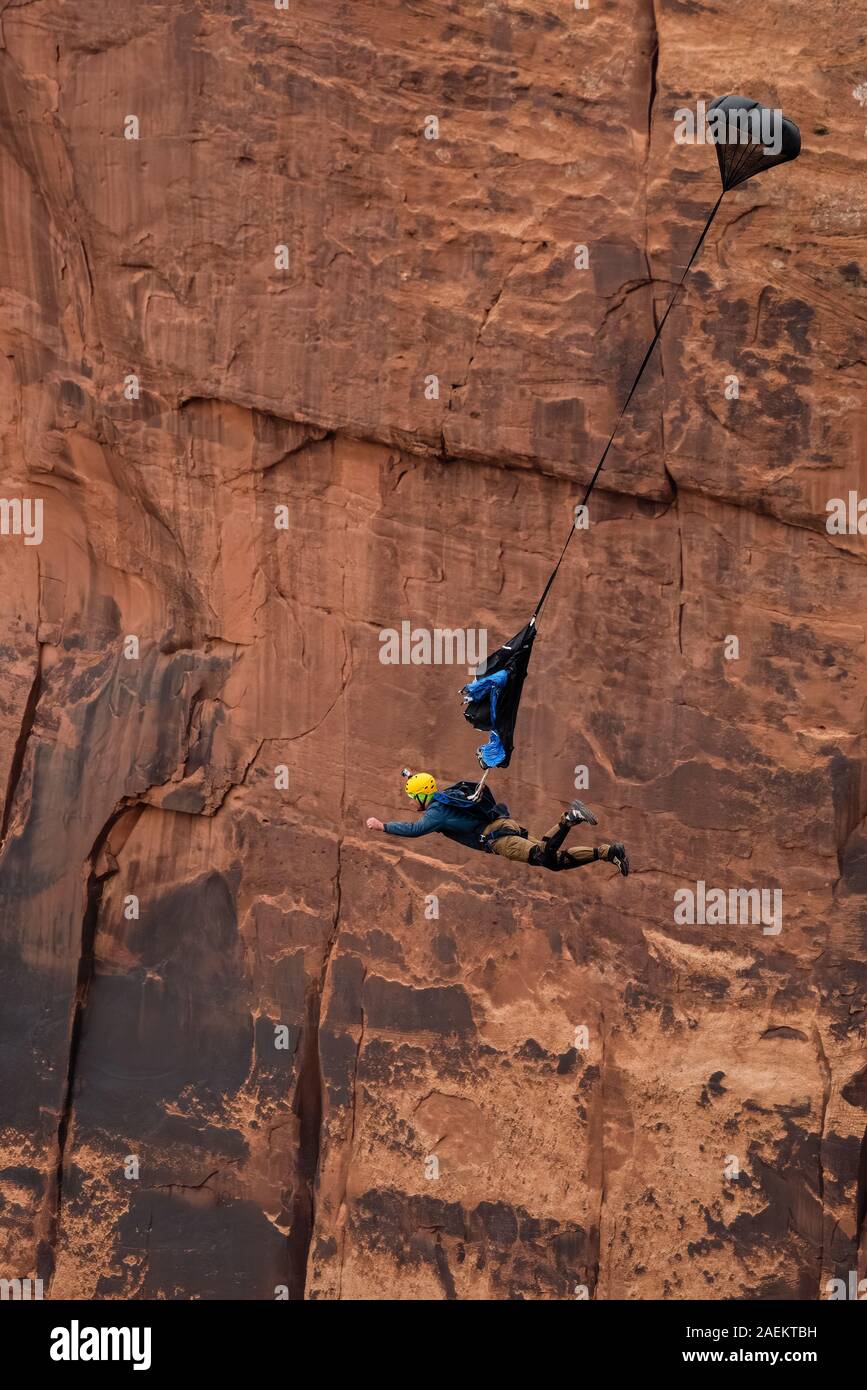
<point>421,787</point>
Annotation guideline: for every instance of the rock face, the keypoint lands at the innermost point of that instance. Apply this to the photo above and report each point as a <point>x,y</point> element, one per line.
<point>250,1049</point>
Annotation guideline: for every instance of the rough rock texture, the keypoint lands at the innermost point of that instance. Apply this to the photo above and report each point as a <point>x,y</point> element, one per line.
<point>155,1141</point>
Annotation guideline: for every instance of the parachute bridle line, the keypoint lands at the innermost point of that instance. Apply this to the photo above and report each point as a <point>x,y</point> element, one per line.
<point>638,375</point>
<point>509,663</point>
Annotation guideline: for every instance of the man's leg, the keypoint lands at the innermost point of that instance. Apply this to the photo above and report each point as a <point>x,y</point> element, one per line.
<point>514,847</point>
<point>518,847</point>
<point>553,838</point>
<point>584,854</point>
<point>576,814</point>
<point>610,854</point>
<point>546,853</point>
<point>579,856</point>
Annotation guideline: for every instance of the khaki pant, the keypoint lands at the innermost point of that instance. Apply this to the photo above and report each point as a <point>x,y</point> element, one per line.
<point>519,847</point>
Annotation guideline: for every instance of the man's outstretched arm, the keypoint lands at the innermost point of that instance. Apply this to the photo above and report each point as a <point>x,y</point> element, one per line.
<point>425,825</point>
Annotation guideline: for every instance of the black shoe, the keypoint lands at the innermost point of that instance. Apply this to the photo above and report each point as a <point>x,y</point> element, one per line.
<point>617,855</point>
<point>579,814</point>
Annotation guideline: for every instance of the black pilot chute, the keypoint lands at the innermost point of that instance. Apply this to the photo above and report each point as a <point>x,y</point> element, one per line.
<point>749,139</point>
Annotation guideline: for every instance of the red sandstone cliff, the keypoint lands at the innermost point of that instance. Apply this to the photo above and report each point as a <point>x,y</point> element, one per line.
<point>262,907</point>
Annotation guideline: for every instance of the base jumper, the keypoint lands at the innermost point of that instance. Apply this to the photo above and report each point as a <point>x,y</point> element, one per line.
<point>486,825</point>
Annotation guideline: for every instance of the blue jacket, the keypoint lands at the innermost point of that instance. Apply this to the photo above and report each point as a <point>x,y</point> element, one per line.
<point>446,820</point>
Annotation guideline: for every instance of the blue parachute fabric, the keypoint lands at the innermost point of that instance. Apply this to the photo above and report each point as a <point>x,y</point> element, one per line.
<point>487,685</point>
<point>492,753</point>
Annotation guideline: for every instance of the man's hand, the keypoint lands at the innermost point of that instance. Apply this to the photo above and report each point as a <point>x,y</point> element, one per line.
<point>374,824</point>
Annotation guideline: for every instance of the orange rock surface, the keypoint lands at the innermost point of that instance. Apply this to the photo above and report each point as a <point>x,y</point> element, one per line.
<point>249,1049</point>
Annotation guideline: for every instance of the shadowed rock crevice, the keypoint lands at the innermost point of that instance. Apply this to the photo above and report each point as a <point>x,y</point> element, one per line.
<point>17,764</point>
<point>309,1107</point>
<point>653,68</point>
<point>861,1205</point>
<point>442,1268</point>
<point>96,879</point>
<point>825,1072</point>
<point>597,1175</point>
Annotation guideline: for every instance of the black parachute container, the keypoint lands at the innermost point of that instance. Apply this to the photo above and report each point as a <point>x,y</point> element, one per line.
<point>491,700</point>
<point>749,139</point>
